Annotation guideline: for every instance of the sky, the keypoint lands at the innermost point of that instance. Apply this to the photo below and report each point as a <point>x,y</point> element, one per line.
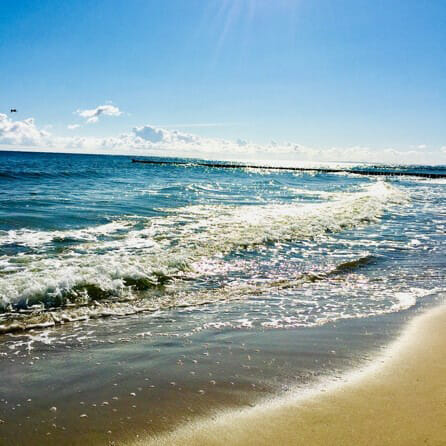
<point>333,80</point>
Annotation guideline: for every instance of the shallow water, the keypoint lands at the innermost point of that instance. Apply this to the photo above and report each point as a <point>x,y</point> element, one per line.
<point>216,287</point>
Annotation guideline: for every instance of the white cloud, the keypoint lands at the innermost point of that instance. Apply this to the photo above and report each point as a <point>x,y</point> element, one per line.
<point>151,134</point>
<point>73,126</point>
<point>151,140</point>
<point>21,133</point>
<point>92,115</point>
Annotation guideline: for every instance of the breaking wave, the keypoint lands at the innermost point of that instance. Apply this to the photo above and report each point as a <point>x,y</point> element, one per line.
<point>132,265</point>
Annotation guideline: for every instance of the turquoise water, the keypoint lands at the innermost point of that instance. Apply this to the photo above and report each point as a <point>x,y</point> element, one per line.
<point>84,237</point>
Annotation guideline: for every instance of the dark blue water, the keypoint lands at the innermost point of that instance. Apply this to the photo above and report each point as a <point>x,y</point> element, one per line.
<point>85,236</point>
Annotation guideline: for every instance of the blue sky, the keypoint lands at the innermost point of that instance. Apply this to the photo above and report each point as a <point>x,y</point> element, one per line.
<point>318,73</point>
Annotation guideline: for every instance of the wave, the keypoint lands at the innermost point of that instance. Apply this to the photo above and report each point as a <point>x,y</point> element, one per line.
<point>88,301</point>
<point>167,249</point>
<point>23,174</point>
<point>39,317</point>
<point>32,238</point>
<point>351,265</point>
<point>425,180</point>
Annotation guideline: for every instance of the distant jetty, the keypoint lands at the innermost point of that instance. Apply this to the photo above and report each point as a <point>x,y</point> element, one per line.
<point>387,172</point>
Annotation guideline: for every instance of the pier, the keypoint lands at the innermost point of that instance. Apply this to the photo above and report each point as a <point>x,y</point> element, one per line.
<point>397,173</point>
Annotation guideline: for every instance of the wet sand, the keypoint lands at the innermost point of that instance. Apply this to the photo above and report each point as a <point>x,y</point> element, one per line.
<point>110,384</point>
<point>400,399</point>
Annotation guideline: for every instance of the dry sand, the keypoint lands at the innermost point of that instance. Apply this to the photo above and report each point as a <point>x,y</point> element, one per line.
<point>398,400</point>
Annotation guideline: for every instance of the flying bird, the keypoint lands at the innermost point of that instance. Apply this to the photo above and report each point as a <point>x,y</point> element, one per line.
<point>13,110</point>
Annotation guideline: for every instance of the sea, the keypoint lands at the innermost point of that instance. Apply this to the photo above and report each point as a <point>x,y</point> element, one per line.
<point>136,297</point>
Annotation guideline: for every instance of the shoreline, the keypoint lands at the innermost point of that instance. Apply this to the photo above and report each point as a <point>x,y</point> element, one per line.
<point>398,399</point>
<point>150,386</point>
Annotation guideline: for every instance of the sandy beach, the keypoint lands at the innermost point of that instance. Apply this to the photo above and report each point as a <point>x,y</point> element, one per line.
<point>399,399</point>
<point>222,223</point>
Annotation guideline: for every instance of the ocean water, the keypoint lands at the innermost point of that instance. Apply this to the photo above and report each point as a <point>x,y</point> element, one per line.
<point>91,236</point>
<point>136,297</point>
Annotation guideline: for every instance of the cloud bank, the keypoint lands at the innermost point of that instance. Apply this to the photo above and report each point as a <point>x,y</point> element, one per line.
<point>151,140</point>
<point>22,133</point>
<point>92,115</point>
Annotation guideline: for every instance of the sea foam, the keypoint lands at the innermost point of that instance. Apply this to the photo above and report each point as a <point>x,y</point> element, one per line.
<point>118,269</point>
